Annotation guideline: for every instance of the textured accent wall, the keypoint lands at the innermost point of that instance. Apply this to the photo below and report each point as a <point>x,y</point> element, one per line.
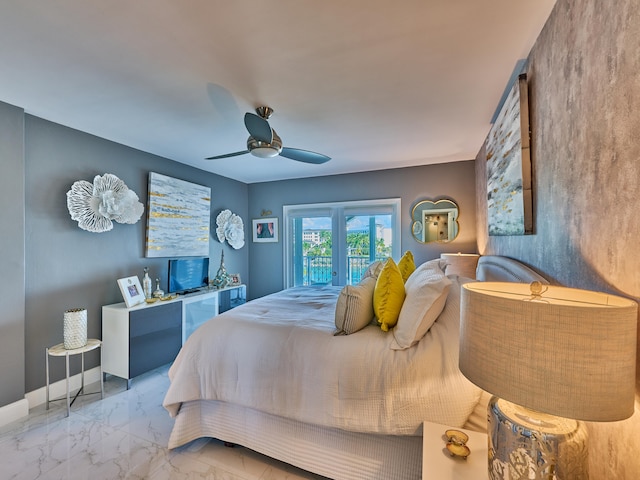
<point>584,96</point>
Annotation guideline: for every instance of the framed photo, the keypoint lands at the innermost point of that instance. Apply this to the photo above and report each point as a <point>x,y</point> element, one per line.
<point>131,291</point>
<point>265,229</point>
<point>235,279</point>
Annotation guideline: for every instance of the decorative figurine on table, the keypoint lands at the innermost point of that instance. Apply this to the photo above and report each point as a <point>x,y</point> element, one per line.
<point>222,278</point>
<point>158,292</point>
<point>146,283</point>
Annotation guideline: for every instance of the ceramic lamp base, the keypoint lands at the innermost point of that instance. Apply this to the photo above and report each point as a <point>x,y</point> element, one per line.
<point>532,445</point>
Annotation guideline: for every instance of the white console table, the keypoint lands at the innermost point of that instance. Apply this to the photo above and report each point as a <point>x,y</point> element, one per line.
<point>146,336</point>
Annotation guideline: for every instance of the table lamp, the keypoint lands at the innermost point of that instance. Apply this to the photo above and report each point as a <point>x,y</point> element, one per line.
<point>552,357</point>
<point>463,264</point>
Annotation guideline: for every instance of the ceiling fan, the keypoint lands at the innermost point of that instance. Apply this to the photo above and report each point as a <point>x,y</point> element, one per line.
<point>264,142</point>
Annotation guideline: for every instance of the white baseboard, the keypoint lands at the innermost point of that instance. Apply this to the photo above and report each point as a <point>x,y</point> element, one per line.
<point>17,410</point>
<point>59,389</point>
<point>14,411</point>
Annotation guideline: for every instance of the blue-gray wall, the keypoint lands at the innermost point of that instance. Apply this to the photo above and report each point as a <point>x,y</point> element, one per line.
<point>68,267</point>
<point>412,184</point>
<point>12,254</point>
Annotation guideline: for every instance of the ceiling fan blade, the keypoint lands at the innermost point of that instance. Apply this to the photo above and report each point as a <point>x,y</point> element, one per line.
<point>258,127</point>
<point>227,155</point>
<point>304,155</point>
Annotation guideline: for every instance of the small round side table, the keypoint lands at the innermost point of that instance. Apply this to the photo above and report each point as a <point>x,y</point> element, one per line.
<point>60,351</point>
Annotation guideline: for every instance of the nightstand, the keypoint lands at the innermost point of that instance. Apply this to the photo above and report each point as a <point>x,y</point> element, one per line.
<point>60,351</point>
<point>438,464</point>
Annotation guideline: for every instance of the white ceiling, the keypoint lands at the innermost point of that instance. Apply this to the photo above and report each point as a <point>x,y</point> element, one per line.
<point>374,84</point>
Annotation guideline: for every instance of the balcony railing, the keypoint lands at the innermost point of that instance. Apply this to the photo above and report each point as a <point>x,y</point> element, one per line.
<point>318,270</point>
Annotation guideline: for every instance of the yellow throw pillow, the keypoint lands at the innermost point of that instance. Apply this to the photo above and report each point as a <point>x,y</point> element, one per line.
<point>406,265</point>
<point>388,295</point>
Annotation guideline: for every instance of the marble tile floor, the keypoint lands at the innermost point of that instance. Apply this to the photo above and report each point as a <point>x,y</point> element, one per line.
<point>123,436</point>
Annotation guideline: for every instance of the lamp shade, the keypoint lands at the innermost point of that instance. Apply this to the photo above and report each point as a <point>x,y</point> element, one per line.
<point>463,264</point>
<point>561,351</point>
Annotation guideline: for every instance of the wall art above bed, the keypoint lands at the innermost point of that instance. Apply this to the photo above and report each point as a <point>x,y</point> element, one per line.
<point>178,218</point>
<point>509,186</point>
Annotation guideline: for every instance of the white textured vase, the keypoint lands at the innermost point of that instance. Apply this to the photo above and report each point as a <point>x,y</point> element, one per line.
<point>75,328</point>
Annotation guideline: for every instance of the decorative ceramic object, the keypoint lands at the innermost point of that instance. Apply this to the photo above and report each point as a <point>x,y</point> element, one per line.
<point>75,328</point>
<point>222,278</point>
<point>146,283</point>
<point>96,206</point>
<point>230,228</point>
<point>158,292</point>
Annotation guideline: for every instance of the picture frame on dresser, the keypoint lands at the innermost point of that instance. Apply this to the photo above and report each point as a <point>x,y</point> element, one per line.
<point>131,290</point>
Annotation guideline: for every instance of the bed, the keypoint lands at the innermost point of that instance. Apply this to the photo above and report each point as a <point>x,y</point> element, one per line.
<point>271,375</point>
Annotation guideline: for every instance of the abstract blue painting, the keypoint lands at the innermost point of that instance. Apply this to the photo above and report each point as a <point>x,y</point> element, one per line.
<point>178,218</point>
<point>509,191</point>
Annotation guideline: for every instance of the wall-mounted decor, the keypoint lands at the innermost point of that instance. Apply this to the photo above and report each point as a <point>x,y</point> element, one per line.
<point>265,229</point>
<point>435,221</point>
<point>509,187</point>
<point>96,206</point>
<point>230,228</point>
<point>131,290</point>
<point>178,218</point>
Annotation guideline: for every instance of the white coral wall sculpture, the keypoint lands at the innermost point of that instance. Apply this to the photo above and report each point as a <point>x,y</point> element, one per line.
<point>230,228</point>
<point>96,206</point>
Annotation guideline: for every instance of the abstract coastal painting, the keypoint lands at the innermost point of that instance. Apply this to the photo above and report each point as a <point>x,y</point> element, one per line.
<point>178,218</point>
<point>509,191</point>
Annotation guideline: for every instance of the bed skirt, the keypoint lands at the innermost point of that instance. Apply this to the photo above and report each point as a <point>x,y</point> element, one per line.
<point>330,452</point>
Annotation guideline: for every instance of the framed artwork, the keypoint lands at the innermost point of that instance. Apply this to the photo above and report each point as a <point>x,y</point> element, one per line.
<point>131,291</point>
<point>265,229</point>
<point>178,218</point>
<point>509,185</point>
<point>235,279</point>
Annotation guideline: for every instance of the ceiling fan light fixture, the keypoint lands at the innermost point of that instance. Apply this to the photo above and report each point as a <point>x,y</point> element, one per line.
<point>265,152</point>
<point>264,142</point>
<point>264,149</point>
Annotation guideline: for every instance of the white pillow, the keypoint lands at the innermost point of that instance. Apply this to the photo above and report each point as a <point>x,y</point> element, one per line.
<point>354,308</point>
<point>427,269</point>
<point>427,289</point>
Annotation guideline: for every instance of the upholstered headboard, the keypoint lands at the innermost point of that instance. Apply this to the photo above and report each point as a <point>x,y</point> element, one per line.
<point>493,268</point>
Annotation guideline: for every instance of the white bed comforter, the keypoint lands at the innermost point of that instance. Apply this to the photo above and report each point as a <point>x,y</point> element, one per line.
<point>277,354</point>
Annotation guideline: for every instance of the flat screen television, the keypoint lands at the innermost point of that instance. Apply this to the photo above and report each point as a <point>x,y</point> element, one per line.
<point>188,274</point>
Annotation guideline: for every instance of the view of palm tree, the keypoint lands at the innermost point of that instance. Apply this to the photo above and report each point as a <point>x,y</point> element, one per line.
<point>317,249</point>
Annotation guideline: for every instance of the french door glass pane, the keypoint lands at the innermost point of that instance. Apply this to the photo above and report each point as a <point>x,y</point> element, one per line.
<point>369,238</point>
<point>313,264</point>
<point>334,243</point>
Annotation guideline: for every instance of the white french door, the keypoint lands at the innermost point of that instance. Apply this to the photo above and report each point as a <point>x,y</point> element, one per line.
<point>333,243</point>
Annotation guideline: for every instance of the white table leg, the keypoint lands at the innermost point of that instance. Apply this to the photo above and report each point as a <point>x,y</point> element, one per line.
<point>101,376</point>
<point>47,369</point>
<point>66,357</point>
<point>82,373</point>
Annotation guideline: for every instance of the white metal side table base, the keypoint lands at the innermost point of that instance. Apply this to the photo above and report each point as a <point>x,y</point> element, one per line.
<point>60,351</point>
